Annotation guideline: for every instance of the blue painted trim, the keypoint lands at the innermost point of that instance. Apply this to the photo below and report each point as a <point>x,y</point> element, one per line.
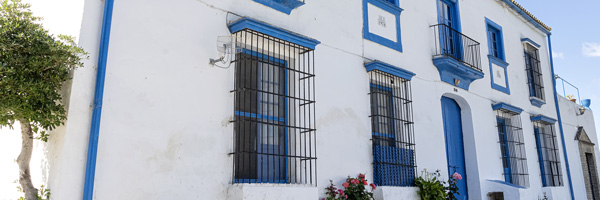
<point>562,133</point>
<point>526,16</point>
<point>450,69</point>
<point>393,70</point>
<point>255,115</point>
<point>507,107</point>
<point>248,23</point>
<point>508,184</point>
<point>500,40</point>
<point>384,135</point>
<point>536,45</point>
<point>501,63</point>
<point>543,118</point>
<point>536,102</point>
<point>90,169</point>
<point>380,87</point>
<point>392,9</point>
<point>282,6</point>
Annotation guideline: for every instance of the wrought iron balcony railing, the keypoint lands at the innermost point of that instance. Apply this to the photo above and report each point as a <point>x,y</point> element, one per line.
<point>452,43</point>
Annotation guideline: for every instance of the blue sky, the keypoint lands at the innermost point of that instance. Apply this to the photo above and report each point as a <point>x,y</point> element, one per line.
<point>575,43</point>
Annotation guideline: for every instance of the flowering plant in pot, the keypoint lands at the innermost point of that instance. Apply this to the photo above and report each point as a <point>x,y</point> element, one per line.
<point>431,187</point>
<point>355,189</point>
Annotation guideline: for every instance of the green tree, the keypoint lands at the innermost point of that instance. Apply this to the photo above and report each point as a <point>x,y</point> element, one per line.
<point>33,67</point>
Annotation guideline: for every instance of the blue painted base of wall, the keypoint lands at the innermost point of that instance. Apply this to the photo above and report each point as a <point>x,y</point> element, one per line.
<point>536,102</point>
<point>451,69</point>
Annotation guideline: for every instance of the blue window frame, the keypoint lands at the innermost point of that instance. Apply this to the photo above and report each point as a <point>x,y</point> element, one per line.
<point>284,6</point>
<point>392,125</point>
<point>274,105</point>
<point>391,7</point>
<point>263,106</point>
<point>534,75</point>
<point>512,145</point>
<point>495,39</point>
<point>547,148</point>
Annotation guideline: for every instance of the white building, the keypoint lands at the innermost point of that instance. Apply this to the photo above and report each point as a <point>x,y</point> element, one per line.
<point>310,91</point>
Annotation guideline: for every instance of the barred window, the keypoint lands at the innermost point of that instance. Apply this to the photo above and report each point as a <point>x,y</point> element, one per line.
<point>547,147</point>
<point>512,147</point>
<point>534,72</point>
<point>392,130</point>
<point>274,123</point>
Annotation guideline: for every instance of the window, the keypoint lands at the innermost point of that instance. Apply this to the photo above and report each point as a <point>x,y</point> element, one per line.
<point>534,72</point>
<point>495,39</point>
<point>274,123</point>
<point>512,146</point>
<point>549,159</point>
<point>392,130</point>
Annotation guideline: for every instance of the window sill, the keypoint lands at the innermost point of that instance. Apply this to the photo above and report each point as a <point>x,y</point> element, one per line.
<point>284,7</point>
<point>271,191</point>
<point>389,192</point>
<point>537,102</point>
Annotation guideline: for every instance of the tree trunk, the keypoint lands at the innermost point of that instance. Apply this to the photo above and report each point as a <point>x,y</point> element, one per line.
<point>24,159</point>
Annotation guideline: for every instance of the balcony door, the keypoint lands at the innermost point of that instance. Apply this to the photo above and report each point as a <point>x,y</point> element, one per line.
<point>449,34</point>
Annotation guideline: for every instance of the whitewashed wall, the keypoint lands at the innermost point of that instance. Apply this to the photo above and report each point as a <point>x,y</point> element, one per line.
<point>165,131</point>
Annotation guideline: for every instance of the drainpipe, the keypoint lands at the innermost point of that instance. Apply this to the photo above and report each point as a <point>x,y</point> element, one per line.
<point>90,170</point>
<point>562,133</point>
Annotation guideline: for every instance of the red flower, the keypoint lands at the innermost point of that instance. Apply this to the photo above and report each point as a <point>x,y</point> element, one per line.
<point>361,176</point>
<point>346,184</point>
<point>373,186</point>
<point>354,181</point>
<point>365,182</point>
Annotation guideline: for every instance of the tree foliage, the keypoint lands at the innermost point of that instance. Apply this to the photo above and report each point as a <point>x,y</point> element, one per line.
<point>33,67</point>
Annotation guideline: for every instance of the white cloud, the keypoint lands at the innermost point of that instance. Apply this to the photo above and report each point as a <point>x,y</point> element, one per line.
<point>591,49</point>
<point>558,55</point>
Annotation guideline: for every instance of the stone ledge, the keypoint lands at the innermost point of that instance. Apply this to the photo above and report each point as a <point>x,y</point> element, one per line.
<point>271,191</point>
<point>388,192</point>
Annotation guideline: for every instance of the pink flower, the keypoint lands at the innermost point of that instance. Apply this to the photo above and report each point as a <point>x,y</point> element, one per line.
<point>365,182</point>
<point>346,196</point>
<point>457,176</point>
<point>373,186</point>
<point>341,191</point>
<point>354,181</point>
<point>346,184</point>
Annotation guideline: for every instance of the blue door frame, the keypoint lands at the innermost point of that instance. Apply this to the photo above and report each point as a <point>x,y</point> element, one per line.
<point>455,153</point>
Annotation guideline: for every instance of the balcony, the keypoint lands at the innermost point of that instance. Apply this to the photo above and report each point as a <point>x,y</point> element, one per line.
<point>456,56</point>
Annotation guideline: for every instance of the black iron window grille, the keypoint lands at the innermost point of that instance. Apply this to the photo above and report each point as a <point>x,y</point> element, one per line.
<point>534,72</point>
<point>274,117</point>
<point>392,130</point>
<point>512,147</point>
<point>452,43</point>
<point>547,147</point>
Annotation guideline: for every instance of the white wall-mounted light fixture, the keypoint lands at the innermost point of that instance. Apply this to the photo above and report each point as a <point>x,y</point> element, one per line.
<point>227,49</point>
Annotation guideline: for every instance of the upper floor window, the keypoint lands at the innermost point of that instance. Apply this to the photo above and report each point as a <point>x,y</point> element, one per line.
<point>548,154</point>
<point>495,39</point>
<point>512,145</point>
<point>534,72</point>
<point>392,127</point>
<point>274,105</point>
